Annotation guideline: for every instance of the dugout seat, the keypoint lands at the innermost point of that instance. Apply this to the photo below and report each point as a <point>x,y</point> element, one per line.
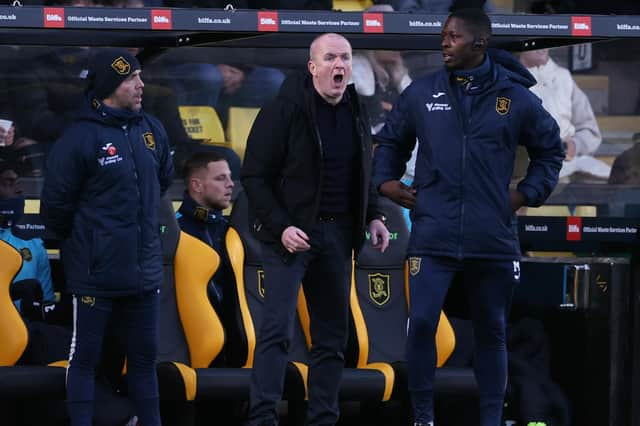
<point>245,255</point>
<point>191,334</point>
<point>379,311</point>
<point>201,122</point>
<point>21,381</point>
<point>238,127</point>
<point>357,384</point>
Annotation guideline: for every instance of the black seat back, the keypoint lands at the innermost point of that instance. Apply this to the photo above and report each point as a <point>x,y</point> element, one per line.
<point>379,311</point>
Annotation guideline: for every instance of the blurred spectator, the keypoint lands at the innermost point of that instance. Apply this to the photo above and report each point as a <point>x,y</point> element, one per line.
<point>571,109</point>
<point>50,89</point>
<point>197,81</point>
<point>552,6</point>
<point>380,76</point>
<point>25,154</point>
<point>626,167</point>
<point>442,6</point>
<point>32,285</point>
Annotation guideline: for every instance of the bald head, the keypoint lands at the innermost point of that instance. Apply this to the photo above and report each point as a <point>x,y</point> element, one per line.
<point>330,66</point>
<point>321,40</point>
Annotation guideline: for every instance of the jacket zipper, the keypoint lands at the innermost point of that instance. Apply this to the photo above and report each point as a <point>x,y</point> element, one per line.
<point>135,174</point>
<point>465,131</point>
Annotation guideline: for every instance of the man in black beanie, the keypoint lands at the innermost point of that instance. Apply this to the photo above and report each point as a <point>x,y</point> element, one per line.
<point>101,195</point>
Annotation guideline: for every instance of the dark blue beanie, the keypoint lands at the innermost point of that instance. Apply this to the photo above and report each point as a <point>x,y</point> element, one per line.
<point>107,69</point>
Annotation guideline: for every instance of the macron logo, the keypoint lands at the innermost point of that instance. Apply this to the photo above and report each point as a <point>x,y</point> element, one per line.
<point>268,21</point>
<point>373,22</point>
<point>437,95</point>
<point>53,17</point>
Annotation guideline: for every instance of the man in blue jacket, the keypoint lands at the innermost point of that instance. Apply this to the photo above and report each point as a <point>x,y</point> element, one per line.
<point>34,279</point>
<point>469,119</point>
<point>101,196</point>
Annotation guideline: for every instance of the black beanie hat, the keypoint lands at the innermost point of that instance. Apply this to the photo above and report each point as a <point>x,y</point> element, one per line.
<point>107,69</point>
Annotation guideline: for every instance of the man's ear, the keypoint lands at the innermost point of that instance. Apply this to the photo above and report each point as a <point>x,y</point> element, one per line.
<point>479,42</point>
<point>312,67</point>
<point>195,184</point>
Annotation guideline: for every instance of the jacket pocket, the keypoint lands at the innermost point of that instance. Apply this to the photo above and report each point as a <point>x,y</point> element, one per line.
<point>113,252</point>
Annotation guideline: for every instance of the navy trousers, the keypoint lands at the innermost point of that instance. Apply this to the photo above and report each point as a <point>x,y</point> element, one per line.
<point>136,317</point>
<point>489,285</point>
<point>325,271</point>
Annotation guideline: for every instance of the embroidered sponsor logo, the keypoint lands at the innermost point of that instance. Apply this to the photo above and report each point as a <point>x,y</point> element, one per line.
<point>437,95</point>
<point>109,155</point>
<point>432,106</point>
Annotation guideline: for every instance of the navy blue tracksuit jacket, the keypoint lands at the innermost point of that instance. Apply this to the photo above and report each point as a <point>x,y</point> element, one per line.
<point>101,195</point>
<point>465,161</point>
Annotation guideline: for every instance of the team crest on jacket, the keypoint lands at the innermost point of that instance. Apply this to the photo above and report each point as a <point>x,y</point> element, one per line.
<point>503,105</point>
<point>414,265</point>
<point>149,140</point>
<point>88,300</point>
<point>121,66</point>
<point>26,254</point>
<point>261,282</point>
<point>379,288</point>
<point>201,213</point>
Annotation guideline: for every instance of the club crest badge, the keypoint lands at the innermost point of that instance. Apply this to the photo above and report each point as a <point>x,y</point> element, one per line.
<point>503,105</point>
<point>149,140</point>
<point>414,265</point>
<point>379,288</point>
<point>121,66</point>
<point>261,282</point>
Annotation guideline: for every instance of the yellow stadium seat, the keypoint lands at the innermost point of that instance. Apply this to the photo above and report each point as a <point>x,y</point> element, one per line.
<point>351,5</point>
<point>202,122</point>
<point>239,126</point>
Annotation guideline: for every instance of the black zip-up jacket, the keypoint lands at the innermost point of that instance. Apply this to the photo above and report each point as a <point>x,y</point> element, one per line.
<point>282,170</point>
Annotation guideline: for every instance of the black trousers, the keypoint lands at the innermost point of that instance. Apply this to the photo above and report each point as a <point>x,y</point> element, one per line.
<point>325,272</point>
